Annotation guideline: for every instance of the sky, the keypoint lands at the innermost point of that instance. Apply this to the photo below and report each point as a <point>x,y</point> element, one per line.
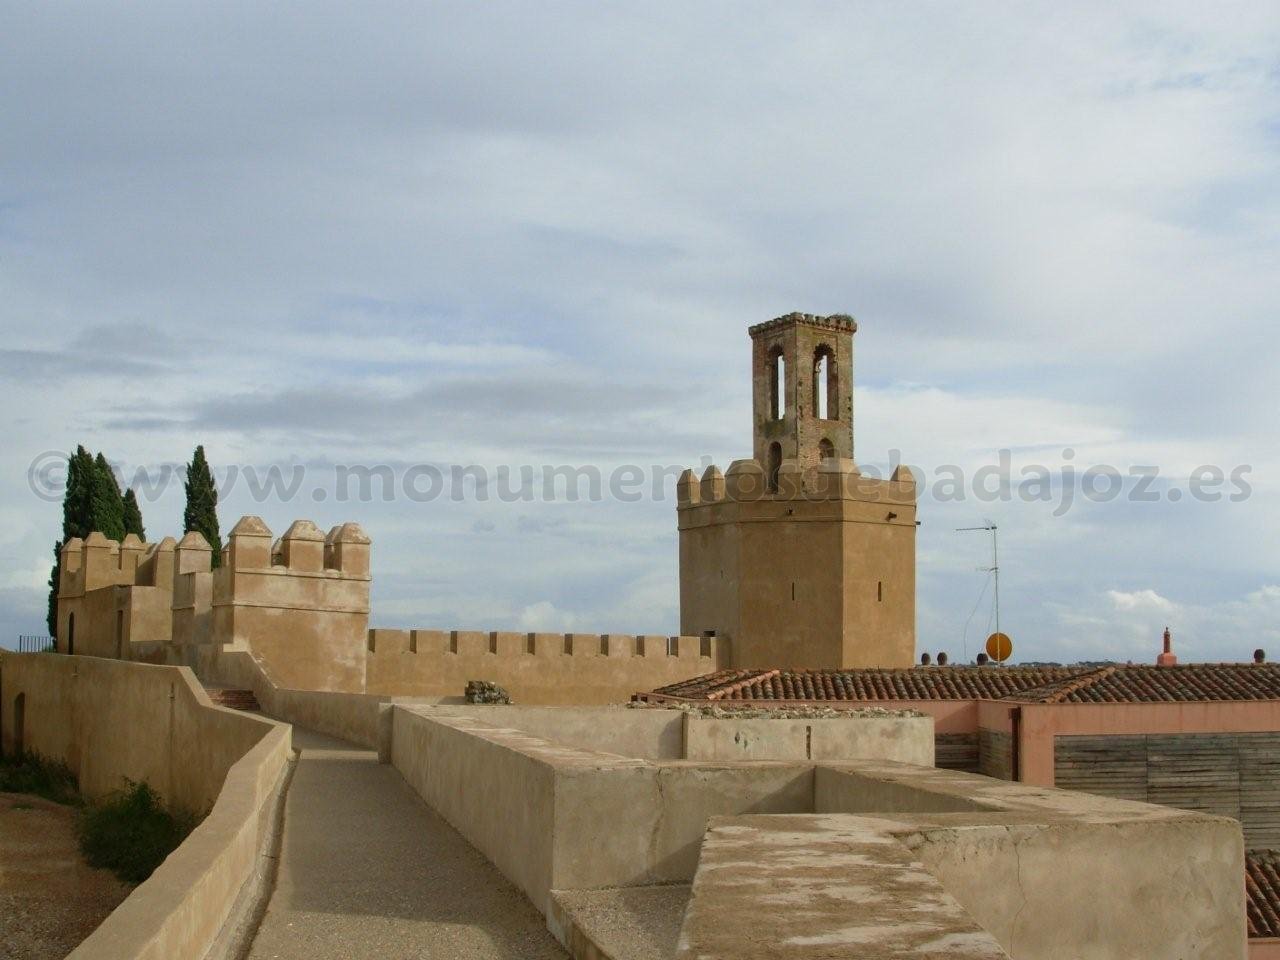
<point>414,237</point>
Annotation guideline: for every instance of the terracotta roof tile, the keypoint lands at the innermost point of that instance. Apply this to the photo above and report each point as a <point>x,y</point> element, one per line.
<point>923,683</point>
<point>1262,892</point>
<point>1110,684</point>
<point>1192,682</point>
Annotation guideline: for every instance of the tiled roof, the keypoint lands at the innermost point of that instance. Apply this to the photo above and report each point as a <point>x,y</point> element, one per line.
<point>1262,892</point>
<point>916,683</point>
<point>1191,682</point>
<point>1110,684</point>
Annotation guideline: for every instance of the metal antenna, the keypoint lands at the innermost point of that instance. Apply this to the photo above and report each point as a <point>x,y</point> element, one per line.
<point>994,569</point>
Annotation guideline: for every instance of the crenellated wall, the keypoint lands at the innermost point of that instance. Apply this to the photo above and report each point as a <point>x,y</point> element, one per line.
<point>814,571</point>
<point>542,668</point>
<point>301,605</point>
<point>117,599</point>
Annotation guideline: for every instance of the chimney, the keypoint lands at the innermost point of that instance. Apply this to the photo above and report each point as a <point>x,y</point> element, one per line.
<point>925,659</point>
<point>942,658</point>
<point>1259,656</point>
<point>1167,659</point>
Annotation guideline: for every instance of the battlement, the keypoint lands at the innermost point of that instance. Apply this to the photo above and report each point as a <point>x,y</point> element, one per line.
<point>545,668</point>
<point>97,562</point>
<point>747,481</point>
<point>836,321</point>
<point>504,643</point>
<point>342,553</point>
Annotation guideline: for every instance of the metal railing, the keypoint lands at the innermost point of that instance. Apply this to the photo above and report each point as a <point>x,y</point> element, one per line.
<point>28,643</point>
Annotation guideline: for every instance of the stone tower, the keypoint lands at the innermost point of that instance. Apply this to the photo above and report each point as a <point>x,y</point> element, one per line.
<point>794,556</point>
<point>802,390</point>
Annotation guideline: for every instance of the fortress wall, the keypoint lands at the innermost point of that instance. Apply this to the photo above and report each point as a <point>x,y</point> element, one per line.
<point>565,818</point>
<point>360,718</point>
<point>110,719</point>
<point>300,604</point>
<point>818,573</point>
<point>535,668</point>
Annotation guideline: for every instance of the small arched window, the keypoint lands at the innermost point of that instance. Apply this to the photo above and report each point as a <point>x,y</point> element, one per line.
<point>775,465</point>
<point>826,449</point>
<point>777,384</point>
<point>71,633</point>
<point>825,384</point>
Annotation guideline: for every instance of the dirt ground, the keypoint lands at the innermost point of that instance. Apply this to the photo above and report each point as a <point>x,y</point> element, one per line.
<point>49,899</point>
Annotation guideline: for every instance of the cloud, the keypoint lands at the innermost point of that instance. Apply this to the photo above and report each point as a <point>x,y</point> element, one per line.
<point>1140,600</point>
<point>503,235</point>
<point>544,616</point>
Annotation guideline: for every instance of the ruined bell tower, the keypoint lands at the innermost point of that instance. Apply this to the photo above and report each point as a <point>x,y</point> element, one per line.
<point>795,557</point>
<point>802,389</point>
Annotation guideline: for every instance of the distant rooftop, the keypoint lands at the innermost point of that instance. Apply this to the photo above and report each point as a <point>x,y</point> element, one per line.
<point>1262,892</point>
<point>1114,683</point>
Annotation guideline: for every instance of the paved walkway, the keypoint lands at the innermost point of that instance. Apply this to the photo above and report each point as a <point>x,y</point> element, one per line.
<point>368,870</point>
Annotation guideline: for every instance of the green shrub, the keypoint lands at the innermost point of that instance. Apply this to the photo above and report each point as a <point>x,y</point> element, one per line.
<point>31,773</point>
<point>131,832</point>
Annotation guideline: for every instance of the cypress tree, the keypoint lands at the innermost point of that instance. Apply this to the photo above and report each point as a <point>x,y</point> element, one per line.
<point>133,515</point>
<point>201,514</point>
<point>77,520</point>
<point>107,504</point>
<point>77,502</point>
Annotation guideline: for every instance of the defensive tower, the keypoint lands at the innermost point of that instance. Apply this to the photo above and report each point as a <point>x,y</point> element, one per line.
<point>795,557</point>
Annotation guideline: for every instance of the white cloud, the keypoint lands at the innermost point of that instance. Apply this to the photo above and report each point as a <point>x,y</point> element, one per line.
<point>1056,226</point>
<point>1147,601</point>
<point>543,616</point>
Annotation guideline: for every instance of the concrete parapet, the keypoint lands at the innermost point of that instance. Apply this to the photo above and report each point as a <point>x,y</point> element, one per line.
<point>108,721</point>
<point>814,859</point>
<point>903,739</point>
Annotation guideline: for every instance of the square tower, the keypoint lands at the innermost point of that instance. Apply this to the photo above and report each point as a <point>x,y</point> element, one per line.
<point>795,557</point>
<point>802,390</point>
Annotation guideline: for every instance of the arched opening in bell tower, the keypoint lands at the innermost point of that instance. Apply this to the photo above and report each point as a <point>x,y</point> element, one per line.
<point>825,385</point>
<point>777,384</point>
